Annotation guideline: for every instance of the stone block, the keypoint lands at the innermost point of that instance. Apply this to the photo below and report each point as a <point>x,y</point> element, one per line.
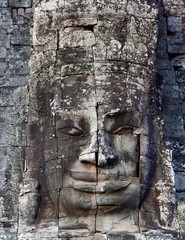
<point>19,67</point>
<point>14,96</point>
<point>148,10</point>
<point>176,39</point>
<point>171,95</point>
<point>50,149</point>
<point>5,15</point>
<point>9,235</point>
<point>12,135</point>
<point>31,235</point>
<point>76,69</point>
<point>48,209</point>
<point>73,226</point>
<point>110,47</point>
<point>176,49</point>
<point>168,76</point>
<point>180,196</point>
<point>146,175</point>
<point>3,53</point>
<point>75,170</point>
<point>121,236</point>
<point>83,13</point>
<point>20,3</point>
<point>151,220</point>
<point>124,220</point>
<point>3,66</point>
<point>172,110</point>
<point>21,53</point>
<point>65,150</point>
<point>21,11</point>
<point>112,71</point>
<point>99,236</point>
<point>174,24</point>
<point>157,234</point>
<point>53,174</point>
<point>180,181</point>
<point>76,37</point>
<point>15,81</point>
<point>77,203</point>
<point>182,90</point>
<point>73,56</point>
<point>21,37</point>
<point>29,204</point>
<point>180,75</point>
<point>47,230</point>
<point>161,48</point>
<point>14,12</point>
<point>28,10</point>
<point>162,33</point>
<point>110,9</point>
<point>173,125</point>
<point>15,115</point>
<point>3,3</point>
<point>183,107</point>
<point>163,64</point>
<point>83,90</point>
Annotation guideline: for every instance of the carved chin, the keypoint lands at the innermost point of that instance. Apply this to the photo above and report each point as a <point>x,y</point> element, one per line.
<point>105,197</point>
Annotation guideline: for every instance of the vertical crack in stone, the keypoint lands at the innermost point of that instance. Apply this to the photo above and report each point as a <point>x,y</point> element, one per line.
<point>97,106</point>
<point>57,39</point>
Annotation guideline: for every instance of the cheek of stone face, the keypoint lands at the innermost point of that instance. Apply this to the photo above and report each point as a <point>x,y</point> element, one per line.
<point>126,146</point>
<point>71,147</point>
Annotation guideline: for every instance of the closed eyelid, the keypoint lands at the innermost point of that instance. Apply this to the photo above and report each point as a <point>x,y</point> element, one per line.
<point>120,129</point>
<point>71,125</point>
<point>119,122</point>
<point>71,130</point>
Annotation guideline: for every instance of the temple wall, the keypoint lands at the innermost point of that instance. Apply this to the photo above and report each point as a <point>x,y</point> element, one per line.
<point>33,38</point>
<point>15,52</point>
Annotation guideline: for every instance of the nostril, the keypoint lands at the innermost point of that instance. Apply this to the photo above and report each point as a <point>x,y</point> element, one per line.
<point>107,161</point>
<point>112,161</point>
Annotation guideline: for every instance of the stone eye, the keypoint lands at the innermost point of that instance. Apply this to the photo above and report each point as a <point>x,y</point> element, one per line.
<point>121,130</point>
<point>72,131</point>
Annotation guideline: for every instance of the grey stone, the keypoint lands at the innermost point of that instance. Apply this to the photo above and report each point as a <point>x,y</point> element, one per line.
<point>71,127</point>
<point>121,236</point>
<point>171,94</point>
<point>179,181</point>
<point>21,37</point>
<point>5,16</point>
<point>3,3</point>
<point>174,24</point>
<point>20,3</point>
<point>53,173</point>
<point>180,75</point>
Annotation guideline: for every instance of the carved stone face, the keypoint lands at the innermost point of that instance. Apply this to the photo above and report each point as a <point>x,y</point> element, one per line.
<point>101,158</point>
<point>100,154</point>
<point>94,109</point>
<point>98,145</point>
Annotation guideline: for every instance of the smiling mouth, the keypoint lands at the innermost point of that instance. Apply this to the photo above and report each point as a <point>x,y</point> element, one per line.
<point>106,187</point>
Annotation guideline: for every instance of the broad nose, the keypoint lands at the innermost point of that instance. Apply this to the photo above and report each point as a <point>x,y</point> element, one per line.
<point>89,154</point>
<point>106,154</point>
<point>99,152</point>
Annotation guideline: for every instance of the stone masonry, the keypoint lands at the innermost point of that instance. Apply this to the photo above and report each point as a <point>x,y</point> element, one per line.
<point>40,42</point>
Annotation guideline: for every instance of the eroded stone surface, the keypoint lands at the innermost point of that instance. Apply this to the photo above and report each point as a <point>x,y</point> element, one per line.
<point>85,155</point>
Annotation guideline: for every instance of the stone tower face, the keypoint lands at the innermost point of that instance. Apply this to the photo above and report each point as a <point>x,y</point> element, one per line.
<point>90,77</point>
<point>92,131</point>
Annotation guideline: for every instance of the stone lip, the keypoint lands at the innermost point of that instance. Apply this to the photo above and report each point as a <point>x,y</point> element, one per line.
<point>106,187</point>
